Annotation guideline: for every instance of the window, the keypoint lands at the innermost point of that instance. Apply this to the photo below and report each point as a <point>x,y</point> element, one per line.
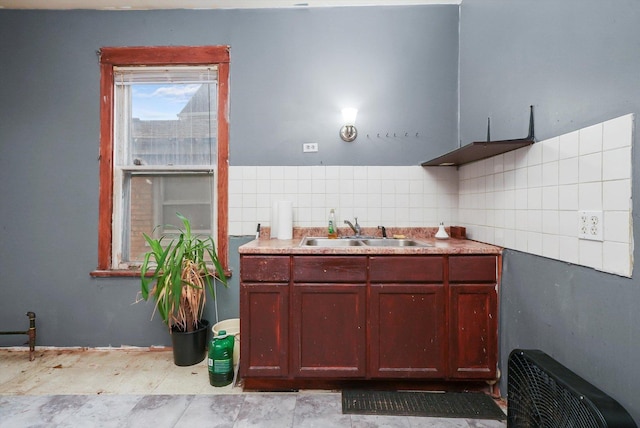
<point>163,148</point>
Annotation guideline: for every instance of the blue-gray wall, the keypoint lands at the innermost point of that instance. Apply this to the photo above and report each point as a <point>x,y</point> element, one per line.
<point>576,62</point>
<point>292,71</point>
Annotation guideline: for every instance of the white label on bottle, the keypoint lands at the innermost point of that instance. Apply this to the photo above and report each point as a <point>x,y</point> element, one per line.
<point>222,366</point>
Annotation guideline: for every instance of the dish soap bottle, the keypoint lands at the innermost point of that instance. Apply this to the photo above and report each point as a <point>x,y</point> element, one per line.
<point>332,232</point>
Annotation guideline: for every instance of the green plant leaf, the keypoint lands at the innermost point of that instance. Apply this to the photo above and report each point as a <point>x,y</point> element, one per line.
<point>177,275</point>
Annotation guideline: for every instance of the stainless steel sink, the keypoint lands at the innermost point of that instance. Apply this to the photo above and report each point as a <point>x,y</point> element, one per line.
<point>326,242</point>
<point>356,242</point>
<point>394,243</point>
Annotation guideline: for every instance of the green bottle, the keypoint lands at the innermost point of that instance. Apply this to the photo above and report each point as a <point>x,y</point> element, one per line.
<point>332,231</point>
<point>220,359</point>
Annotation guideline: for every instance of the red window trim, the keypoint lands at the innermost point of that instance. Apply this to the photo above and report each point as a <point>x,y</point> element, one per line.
<point>159,55</point>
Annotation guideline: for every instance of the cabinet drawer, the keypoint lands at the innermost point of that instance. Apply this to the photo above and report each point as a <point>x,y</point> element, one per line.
<point>406,269</point>
<point>329,269</point>
<point>265,268</point>
<point>472,269</point>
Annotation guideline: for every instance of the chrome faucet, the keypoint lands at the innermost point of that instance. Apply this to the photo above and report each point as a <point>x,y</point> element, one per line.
<point>356,229</point>
<point>384,231</point>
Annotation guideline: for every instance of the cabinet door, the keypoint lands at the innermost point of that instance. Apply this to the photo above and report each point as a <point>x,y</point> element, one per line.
<point>473,337</point>
<point>328,330</point>
<point>264,329</point>
<point>407,337</point>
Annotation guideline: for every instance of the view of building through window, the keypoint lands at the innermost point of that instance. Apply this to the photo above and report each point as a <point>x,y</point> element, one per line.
<point>166,152</point>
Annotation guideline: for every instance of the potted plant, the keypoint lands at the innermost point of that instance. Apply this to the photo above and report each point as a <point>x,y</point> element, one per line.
<point>177,272</point>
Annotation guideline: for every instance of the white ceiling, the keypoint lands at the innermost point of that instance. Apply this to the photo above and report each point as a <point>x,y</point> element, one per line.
<point>203,4</point>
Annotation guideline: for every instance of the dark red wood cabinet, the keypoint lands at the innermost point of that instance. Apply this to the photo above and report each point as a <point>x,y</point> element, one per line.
<point>407,321</point>
<point>328,322</point>
<point>473,324</point>
<point>332,317</point>
<point>264,316</point>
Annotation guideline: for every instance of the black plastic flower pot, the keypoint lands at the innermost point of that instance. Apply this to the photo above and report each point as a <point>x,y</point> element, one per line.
<point>190,348</point>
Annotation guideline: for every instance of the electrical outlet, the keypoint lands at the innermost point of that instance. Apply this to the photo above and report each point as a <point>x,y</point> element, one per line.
<point>590,225</point>
<point>309,147</point>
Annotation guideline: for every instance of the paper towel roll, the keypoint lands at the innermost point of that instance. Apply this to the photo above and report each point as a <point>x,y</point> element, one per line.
<point>285,220</point>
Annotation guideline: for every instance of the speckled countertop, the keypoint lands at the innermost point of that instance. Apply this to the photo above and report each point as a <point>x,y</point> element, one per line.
<point>266,245</point>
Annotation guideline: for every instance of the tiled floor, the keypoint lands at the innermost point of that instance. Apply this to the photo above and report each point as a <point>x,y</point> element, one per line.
<point>142,388</point>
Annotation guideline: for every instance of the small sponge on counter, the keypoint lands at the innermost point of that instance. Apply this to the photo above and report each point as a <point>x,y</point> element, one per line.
<point>399,237</point>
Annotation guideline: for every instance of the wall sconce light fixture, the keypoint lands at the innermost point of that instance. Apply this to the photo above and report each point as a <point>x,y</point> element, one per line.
<point>349,132</point>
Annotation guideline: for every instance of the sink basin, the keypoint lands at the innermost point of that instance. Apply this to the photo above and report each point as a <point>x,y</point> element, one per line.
<point>393,243</point>
<point>326,242</point>
<point>357,242</point>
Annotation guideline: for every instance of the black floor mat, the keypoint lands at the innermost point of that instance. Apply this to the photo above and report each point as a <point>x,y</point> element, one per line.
<point>471,405</point>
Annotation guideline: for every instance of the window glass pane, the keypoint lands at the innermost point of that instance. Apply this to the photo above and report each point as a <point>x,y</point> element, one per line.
<point>165,124</point>
<point>172,124</point>
<point>198,214</point>
<point>154,200</point>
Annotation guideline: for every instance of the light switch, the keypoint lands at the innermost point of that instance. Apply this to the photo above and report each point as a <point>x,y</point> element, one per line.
<point>309,147</point>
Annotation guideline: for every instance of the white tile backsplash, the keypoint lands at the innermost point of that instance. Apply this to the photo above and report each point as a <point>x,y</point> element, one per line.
<point>550,198</point>
<point>590,167</point>
<point>568,249</point>
<point>551,222</point>
<point>534,243</point>
<point>616,132</point>
<point>568,197</point>
<point>617,195</point>
<point>551,150</point>
<point>534,176</point>
<point>550,173</point>
<point>521,175</point>
<point>617,226</point>
<point>551,246</point>
<point>568,145</point>
<point>568,223</point>
<point>568,171</point>
<point>590,253</point>
<point>394,196</point>
<point>536,196</point>
<point>590,139</point>
<point>590,196</point>
<point>534,155</point>
<point>615,164</point>
<point>509,161</point>
<point>615,257</point>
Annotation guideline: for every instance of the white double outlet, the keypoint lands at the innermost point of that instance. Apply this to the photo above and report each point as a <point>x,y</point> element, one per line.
<point>590,225</point>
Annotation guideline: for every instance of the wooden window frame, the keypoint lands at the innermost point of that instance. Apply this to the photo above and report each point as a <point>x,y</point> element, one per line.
<point>111,57</point>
